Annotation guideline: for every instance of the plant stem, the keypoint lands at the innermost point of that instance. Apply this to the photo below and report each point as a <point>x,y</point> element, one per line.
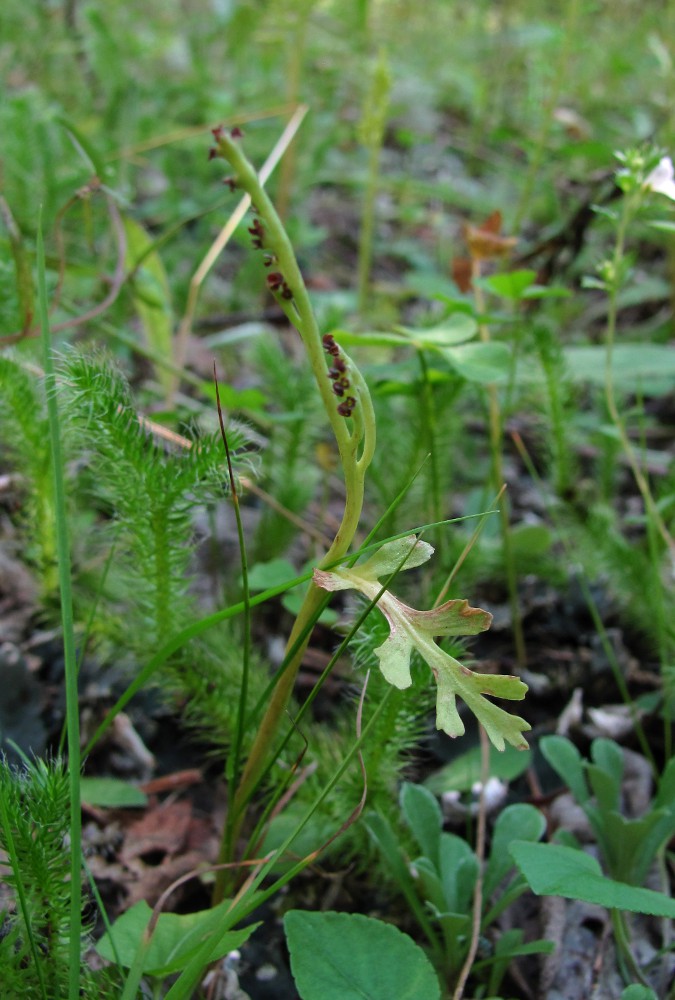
<point>69,654</point>
<point>497,476</point>
<point>651,509</point>
<point>656,522</point>
<point>372,135</point>
<point>354,434</point>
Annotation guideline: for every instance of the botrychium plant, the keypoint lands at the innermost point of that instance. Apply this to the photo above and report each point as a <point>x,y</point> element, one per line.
<point>347,402</point>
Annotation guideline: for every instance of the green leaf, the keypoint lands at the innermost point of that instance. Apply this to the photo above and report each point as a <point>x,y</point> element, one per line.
<point>370,338</point>
<point>638,992</point>
<point>380,830</point>
<point>482,362</point>
<point>411,629</point>
<point>608,755</point>
<point>176,938</point>
<point>553,870</point>
<point>423,815</point>
<point>649,368</point>
<point>455,329</point>
<point>458,871</point>
<point>665,225</point>
<point>665,797</point>
<point>530,541</point>
<point>111,793</point>
<point>429,886</point>
<point>345,956</point>
<point>516,822</point>
<point>511,285</point>
<point>274,573</point>
<point>567,762</point>
<point>603,787</point>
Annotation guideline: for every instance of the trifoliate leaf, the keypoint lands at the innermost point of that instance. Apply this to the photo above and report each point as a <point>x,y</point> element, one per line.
<point>411,629</point>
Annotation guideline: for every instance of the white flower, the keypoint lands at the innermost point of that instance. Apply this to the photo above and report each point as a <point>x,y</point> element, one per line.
<point>662,178</point>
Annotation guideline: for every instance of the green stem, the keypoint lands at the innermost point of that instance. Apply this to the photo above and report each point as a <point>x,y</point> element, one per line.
<point>429,426</point>
<point>630,205</point>
<point>354,434</point>
<point>372,128</point>
<point>656,522</point>
<point>69,654</point>
<point>497,475</point>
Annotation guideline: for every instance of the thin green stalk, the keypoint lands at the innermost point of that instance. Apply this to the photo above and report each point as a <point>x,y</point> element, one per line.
<point>371,132</point>
<point>234,759</point>
<point>429,427</point>
<point>629,968</point>
<point>352,421</point>
<point>613,288</point>
<point>69,652</point>
<point>497,476</point>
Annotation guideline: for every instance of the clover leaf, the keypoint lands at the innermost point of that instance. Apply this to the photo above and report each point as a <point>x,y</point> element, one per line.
<point>411,629</point>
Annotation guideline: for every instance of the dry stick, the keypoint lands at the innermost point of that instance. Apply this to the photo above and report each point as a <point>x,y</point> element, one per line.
<point>192,131</point>
<point>480,854</point>
<point>185,328</point>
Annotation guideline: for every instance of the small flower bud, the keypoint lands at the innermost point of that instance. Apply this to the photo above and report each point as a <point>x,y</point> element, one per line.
<point>236,132</point>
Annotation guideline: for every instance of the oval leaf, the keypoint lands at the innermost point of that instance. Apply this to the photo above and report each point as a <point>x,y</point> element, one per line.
<point>346,956</point>
<point>111,793</point>
<point>481,362</point>
<point>554,870</point>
